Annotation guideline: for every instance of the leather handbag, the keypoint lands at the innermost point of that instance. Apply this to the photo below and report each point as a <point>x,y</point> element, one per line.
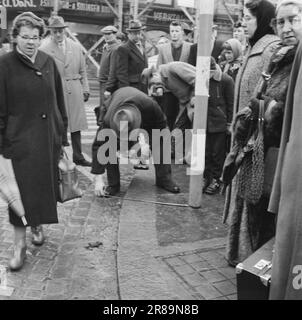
<point>68,180</point>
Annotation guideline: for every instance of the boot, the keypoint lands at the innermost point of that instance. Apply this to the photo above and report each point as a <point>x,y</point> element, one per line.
<point>19,257</point>
<point>213,188</point>
<point>37,235</point>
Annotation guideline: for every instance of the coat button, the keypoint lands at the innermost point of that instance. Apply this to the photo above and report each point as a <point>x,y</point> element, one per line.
<point>43,116</point>
<point>38,73</point>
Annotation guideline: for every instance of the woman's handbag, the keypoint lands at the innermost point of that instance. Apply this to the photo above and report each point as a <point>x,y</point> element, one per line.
<point>68,180</point>
<point>251,173</point>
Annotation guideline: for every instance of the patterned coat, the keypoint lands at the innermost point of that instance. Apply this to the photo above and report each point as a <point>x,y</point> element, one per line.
<point>250,224</point>
<point>255,61</point>
<point>74,78</point>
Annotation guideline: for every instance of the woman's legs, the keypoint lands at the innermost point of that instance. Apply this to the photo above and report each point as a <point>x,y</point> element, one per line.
<point>17,260</point>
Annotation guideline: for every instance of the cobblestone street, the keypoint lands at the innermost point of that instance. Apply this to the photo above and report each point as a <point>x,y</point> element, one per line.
<point>78,259</point>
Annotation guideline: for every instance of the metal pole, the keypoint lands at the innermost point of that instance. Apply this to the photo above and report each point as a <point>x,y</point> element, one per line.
<point>55,7</point>
<point>120,15</point>
<point>135,9</point>
<point>205,10</point>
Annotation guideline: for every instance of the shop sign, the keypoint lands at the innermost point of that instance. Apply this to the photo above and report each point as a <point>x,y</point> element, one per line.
<point>78,5</point>
<point>160,16</point>
<point>19,3</point>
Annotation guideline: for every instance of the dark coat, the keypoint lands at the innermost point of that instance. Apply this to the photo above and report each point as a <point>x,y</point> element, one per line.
<point>152,115</point>
<point>33,123</point>
<point>220,104</point>
<point>130,65</point>
<point>193,52</point>
<point>286,198</point>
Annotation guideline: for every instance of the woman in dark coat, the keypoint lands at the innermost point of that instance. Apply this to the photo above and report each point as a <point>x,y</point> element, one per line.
<point>33,126</point>
<point>251,225</point>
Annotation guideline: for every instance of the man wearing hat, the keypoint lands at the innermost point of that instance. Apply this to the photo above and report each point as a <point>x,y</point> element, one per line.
<point>70,61</point>
<point>139,111</point>
<point>131,58</point>
<point>107,63</point>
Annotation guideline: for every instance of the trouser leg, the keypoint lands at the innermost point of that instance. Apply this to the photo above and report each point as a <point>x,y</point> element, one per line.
<point>208,158</point>
<point>170,107</point>
<point>113,174</point>
<point>162,171</point>
<point>76,146</point>
<point>218,153</point>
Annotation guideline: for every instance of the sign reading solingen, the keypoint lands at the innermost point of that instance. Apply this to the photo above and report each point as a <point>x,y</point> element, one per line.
<point>3,19</point>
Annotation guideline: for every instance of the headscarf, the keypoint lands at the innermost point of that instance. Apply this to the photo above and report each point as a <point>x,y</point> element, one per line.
<point>264,11</point>
<point>236,48</point>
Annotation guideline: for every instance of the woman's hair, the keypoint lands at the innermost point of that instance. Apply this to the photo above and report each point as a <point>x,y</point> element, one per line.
<point>238,24</point>
<point>282,3</point>
<point>264,11</point>
<point>27,19</point>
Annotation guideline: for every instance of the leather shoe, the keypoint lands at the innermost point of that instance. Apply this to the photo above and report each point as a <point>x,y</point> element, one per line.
<point>112,190</point>
<point>169,186</point>
<point>37,235</point>
<point>83,163</point>
<point>19,257</point>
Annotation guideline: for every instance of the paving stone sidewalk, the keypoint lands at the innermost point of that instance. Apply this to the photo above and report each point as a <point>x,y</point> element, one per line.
<point>66,266</point>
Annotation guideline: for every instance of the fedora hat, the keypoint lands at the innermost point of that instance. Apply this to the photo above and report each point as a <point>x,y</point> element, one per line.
<point>135,25</point>
<point>129,113</point>
<point>109,29</point>
<point>56,22</point>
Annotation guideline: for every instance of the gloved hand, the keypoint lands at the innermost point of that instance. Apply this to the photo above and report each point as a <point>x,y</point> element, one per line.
<point>254,106</point>
<point>86,96</point>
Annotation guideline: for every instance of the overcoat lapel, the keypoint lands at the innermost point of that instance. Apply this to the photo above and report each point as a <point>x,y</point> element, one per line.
<point>135,50</point>
<point>57,52</point>
<point>68,53</point>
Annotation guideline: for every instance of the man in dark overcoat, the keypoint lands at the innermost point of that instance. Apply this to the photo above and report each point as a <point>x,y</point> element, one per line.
<point>129,104</point>
<point>131,58</point>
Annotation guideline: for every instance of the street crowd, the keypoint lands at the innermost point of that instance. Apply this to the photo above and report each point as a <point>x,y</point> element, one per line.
<point>253,135</point>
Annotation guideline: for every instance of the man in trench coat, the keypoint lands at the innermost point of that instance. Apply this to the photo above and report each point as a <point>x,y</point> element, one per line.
<point>70,61</point>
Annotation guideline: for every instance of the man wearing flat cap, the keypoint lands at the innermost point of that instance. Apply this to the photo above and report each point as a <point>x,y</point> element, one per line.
<point>131,58</point>
<point>70,61</point>
<point>107,64</point>
<point>138,111</point>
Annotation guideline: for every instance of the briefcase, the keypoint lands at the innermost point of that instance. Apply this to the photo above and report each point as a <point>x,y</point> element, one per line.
<point>254,274</point>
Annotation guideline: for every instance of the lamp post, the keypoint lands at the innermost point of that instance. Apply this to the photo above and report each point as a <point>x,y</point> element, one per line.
<point>205,12</point>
